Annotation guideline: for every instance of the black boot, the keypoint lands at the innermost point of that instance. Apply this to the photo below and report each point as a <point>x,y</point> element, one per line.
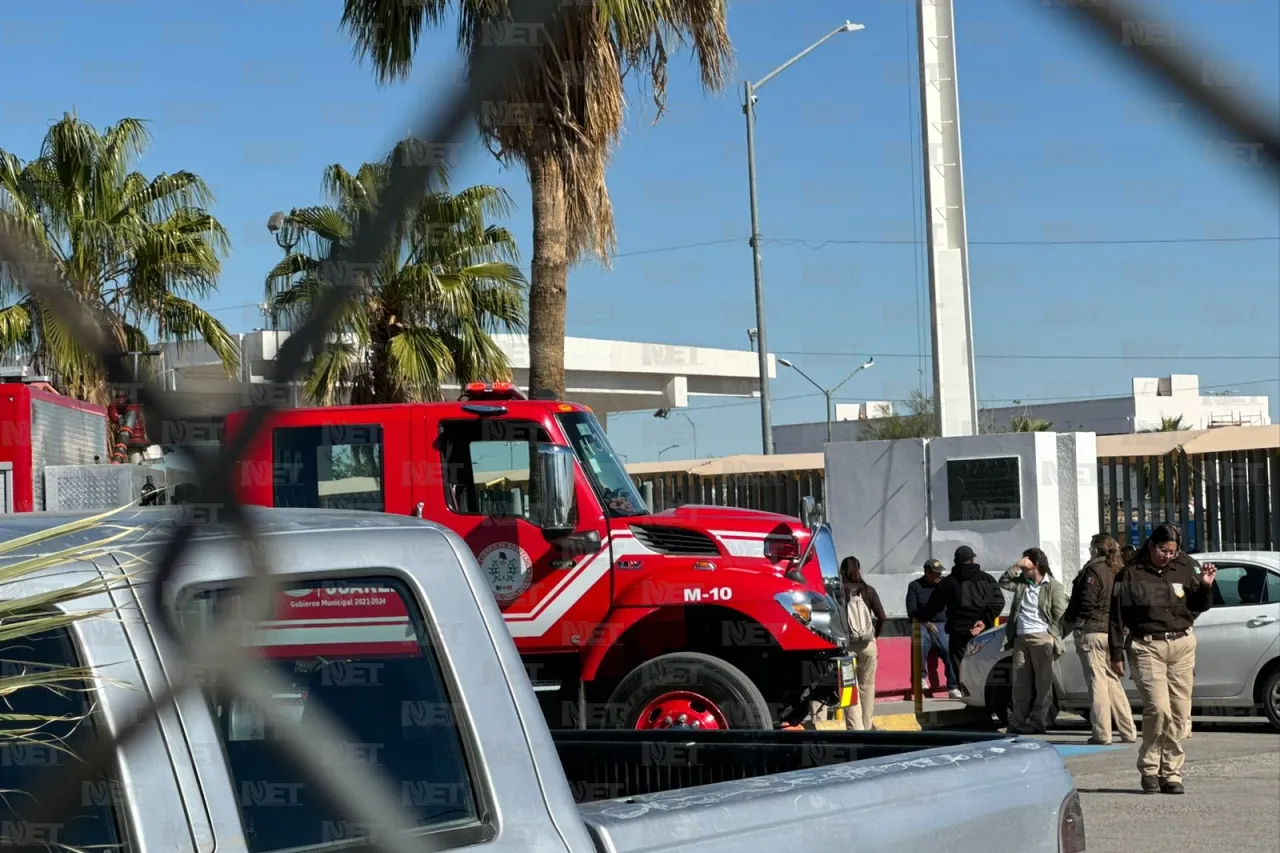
<point>1168,786</point>
<point>1150,784</point>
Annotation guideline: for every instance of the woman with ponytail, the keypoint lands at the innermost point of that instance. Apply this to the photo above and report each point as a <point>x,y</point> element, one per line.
<point>1089,612</point>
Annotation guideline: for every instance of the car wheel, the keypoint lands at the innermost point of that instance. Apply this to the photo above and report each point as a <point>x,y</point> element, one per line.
<point>1271,699</point>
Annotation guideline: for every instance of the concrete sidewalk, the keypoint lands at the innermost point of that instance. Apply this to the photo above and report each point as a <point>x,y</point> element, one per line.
<point>901,717</point>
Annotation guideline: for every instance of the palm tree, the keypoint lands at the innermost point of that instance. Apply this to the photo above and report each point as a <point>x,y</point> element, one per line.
<point>1026,423</point>
<point>426,309</point>
<point>135,250</point>
<point>561,119</point>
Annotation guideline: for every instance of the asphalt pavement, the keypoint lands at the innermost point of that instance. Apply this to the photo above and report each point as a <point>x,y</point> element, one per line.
<point>1232,803</point>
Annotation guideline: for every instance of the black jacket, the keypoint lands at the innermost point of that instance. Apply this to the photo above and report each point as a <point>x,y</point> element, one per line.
<point>969,595</point>
<point>918,593</point>
<point>1146,600</point>
<point>1091,598</point>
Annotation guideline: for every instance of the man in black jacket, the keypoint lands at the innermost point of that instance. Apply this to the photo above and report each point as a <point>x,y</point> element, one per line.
<point>972,599</point>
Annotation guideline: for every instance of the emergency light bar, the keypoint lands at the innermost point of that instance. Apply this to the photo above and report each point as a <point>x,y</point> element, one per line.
<point>491,391</point>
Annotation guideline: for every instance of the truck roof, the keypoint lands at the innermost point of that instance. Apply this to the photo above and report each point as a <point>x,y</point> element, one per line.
<point>155,525</point>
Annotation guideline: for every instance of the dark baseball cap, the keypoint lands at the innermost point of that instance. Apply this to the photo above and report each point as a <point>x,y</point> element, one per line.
<point>933,566</point>
<point>964,554</point>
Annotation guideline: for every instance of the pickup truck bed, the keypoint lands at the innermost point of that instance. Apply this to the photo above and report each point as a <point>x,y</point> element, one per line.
<point>736,791</point>
<point>610,765</point>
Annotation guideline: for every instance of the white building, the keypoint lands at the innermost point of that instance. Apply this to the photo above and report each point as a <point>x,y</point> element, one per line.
<point>609,376</point>
<point>1151,403</point>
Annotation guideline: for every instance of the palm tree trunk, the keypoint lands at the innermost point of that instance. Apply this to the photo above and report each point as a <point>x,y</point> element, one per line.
<point>548,287</point>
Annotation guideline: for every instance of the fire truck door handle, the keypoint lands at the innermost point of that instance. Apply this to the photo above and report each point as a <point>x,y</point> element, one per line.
<point>417,510</point>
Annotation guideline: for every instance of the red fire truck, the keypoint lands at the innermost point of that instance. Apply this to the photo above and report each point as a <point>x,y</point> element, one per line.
<point>700,616</point>
<point>38,428</point>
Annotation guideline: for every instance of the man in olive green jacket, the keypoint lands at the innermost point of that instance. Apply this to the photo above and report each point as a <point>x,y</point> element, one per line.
<point>1034,631</point>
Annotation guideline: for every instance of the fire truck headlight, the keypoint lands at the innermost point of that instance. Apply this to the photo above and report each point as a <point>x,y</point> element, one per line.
<point>810,609</point>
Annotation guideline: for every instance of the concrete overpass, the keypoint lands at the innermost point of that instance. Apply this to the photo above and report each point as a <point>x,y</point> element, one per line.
<point>607,375</point>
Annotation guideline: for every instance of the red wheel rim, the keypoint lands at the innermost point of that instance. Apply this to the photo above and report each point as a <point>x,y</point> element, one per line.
<point>681,709</point>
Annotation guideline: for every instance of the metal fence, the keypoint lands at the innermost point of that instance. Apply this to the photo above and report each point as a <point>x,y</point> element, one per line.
<point>774,491</point>
<point>1222,501</point>
<point>492,63</point>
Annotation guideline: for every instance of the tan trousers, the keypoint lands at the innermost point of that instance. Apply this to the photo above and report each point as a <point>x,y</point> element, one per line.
<point>1163,671</point>
<point>858,717</point>
<point>1108,704</point>
<point>1032,682</point>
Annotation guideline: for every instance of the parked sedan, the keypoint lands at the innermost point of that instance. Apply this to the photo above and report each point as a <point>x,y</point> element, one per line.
<point>1237,654</point>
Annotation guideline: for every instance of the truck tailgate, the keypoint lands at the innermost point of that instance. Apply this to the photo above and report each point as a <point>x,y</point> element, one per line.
<point>1002,794</point>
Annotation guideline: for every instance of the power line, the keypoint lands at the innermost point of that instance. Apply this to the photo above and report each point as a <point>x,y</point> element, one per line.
<point>1038,356</point>
<point>816,243</point>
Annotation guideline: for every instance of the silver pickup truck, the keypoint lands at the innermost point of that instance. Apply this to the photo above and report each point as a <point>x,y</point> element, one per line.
<point>432,693</point>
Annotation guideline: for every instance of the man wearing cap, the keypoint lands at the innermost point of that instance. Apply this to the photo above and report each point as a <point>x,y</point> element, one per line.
<point>933,634</point>
<point>972,600</point>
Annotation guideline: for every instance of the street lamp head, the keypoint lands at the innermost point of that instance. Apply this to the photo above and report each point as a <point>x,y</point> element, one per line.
<point>785,363</point>
<point>662,413</point>
<point>276,221</point>
<point>871,362</point>
<point>850,27</point>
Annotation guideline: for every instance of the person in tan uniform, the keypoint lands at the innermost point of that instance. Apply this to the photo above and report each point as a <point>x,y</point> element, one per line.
<point>1156,599</point>
<point>1088,614</point>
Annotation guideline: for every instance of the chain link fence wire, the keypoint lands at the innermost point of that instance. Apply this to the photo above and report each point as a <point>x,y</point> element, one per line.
<point>356,792</point>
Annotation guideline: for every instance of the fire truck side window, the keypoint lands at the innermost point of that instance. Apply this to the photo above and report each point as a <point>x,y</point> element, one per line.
<point>329,467</point>
<point>486,465</point>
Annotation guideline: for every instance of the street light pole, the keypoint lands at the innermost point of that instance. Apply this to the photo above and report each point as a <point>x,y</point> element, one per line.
<point>665,449</point>
<point>829,393</point>
<point>749,90</point>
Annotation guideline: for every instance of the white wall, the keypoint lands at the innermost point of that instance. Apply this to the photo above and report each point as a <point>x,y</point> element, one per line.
<point>877,502</point>
<point>888,505</point>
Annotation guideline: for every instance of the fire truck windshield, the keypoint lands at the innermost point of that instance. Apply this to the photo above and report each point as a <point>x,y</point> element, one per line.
<point>605,471</point>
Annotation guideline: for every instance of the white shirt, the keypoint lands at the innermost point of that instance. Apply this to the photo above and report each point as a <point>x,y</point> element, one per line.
<point>1029,619</point>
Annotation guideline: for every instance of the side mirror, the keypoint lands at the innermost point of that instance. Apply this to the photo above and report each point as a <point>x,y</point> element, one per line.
<point>556,495</point>
<point>810,513</point>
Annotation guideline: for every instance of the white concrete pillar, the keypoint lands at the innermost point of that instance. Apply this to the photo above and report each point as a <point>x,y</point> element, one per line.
<point>954,388</point>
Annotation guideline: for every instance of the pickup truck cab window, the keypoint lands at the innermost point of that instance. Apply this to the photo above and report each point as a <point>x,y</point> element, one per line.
<point>380,678</point>
<point>28,756</point>
<point>329,467</point>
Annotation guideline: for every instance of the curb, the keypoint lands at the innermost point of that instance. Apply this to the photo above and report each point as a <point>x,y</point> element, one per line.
<point>907,722</point>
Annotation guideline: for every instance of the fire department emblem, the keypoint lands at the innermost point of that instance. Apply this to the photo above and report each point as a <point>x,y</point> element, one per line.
<point>508,568</point>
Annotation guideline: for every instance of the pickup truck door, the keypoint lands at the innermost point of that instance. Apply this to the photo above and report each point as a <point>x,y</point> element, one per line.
<point>1235,633</point>
<point>552,600</point>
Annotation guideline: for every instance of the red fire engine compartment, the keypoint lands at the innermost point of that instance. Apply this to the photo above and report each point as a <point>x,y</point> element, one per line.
<point>338,622</point>
<point>38,429</point>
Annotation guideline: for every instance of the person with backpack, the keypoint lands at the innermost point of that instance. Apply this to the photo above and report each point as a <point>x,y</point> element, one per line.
<point>866,619</point>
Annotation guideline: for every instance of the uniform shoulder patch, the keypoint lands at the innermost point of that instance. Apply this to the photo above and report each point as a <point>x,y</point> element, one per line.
<point>1090,579</point>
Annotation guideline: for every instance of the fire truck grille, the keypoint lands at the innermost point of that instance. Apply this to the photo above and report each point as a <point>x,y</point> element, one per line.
<point>675,540</point>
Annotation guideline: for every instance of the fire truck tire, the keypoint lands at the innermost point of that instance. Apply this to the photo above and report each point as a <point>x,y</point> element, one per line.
<point>689,690</point>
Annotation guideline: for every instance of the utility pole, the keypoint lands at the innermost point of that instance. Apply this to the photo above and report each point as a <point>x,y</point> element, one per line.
<point>749,90</point>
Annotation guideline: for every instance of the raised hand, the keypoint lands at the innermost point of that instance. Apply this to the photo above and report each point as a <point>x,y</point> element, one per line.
<point>1208,572</point>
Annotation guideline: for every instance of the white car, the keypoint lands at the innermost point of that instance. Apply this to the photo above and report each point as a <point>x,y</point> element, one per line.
<point>1237,653</point>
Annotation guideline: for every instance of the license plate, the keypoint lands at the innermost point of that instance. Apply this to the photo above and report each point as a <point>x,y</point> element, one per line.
<point>848,679</point>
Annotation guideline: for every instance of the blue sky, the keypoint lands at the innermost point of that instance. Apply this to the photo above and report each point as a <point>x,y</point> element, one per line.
<point>1060,143</point>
